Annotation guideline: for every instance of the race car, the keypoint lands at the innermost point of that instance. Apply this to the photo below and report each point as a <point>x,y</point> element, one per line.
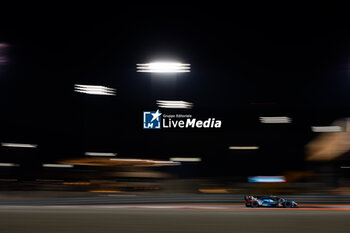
<point>268,201</point>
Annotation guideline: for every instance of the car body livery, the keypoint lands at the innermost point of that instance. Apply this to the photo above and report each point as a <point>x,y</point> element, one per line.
<point>268,201</point>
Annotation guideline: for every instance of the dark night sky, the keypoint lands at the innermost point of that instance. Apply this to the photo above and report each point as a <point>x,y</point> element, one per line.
<point>294,56</point>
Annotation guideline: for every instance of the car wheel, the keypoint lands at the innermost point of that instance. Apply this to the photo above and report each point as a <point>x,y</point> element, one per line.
<point>255,204</point>
<point>287,204</point>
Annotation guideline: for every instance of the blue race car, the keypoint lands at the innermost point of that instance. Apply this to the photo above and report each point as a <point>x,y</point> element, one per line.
<point>268,201</point>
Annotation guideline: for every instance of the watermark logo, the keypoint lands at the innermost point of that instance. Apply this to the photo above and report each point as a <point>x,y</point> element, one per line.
<point>157,120</point>
<point>152,120</point>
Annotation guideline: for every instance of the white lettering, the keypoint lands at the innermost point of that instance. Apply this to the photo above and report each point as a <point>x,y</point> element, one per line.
<point>191,123</point>
<point>181,124</point>
<point>218,124</point>
<point>199,124</point>
<point>206,123</point>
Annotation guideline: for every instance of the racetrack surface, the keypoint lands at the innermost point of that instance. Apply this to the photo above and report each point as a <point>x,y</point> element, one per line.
<point>173,218</point>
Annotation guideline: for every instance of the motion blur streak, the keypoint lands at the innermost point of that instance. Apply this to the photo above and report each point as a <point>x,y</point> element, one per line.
<point>243,147</point>
<point>188,219</point>
<point>18,145</point>
<point>8,165</point>
<point>184,159</point>
<point>3,58</point>
<point>76,183</point>
<point>48,180</point>
<point>326,128</point>
<point>163,67</point>
<point>104,191</point>
<point>58,165</point>
<point>107,162</point>
<point>100,154</point>
<point>330,145</point>
<point>147,161</point>
<point>213,190</point>
<point>94,90</point>
<point>174,104</point>
<point>274,120</point>
<point>266,179</point>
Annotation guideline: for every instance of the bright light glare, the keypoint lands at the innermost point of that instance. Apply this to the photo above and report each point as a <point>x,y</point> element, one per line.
<point>18,145</point>
<point>94,90</point>
<point>100,154</point>
<point>58,165</point>
<point>243,147</point>
<point>8,165</point>
<point>163,67</point>
<point>272,120</point>
<point>181,159</point>
<point>345,167</point>
<point>174,104</point>
<point>321,129</point>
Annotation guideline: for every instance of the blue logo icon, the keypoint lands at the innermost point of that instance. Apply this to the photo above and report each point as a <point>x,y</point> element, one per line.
<point>151,120</point>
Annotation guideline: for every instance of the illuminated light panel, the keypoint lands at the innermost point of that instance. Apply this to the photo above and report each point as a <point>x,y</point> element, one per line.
<point>184,159</point>
<point>174,104</point>
<point>18,145</point>
<point>94,90</point>
<point>266,179</point>
<point>8,165</point>
<point>243,147</point>
<point>58,165</point>
<point>345,167</point>
<point>274,120</point>
<point>100,154</point>
<point>163,67</point>
<point>323,129</point>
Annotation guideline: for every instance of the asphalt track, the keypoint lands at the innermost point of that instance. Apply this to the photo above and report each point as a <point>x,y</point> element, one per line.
<point>173,218</point>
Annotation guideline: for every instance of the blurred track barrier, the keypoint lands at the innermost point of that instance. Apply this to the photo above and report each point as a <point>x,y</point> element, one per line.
<point>104,191</point>
<point>213,190</point>
<point>170,198</point>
